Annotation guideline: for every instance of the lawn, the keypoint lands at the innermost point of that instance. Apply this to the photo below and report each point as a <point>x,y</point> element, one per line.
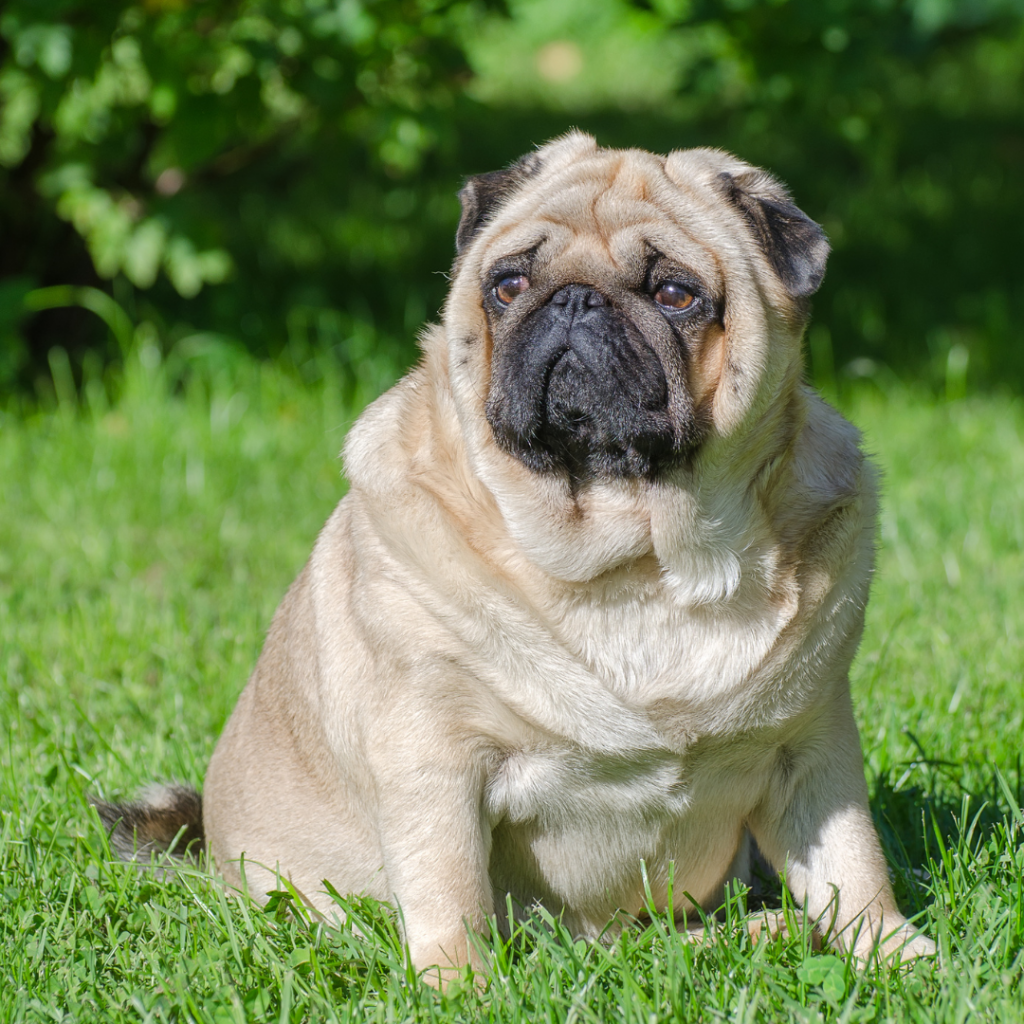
<point>144,543</point>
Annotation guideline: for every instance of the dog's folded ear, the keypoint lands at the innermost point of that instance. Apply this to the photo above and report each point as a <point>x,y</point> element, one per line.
<point>483,194</point>
<point>795,245</point>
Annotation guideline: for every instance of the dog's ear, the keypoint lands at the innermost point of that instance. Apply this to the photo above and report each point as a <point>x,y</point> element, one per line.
<point>795,245</point>
<point>483,194</point>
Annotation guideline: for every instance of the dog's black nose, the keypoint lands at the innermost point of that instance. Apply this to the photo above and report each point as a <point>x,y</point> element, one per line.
<point>577,297</point>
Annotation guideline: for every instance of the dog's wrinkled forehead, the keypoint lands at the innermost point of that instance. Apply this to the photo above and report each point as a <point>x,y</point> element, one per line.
<point>608,206</point>
<point>700,207</point>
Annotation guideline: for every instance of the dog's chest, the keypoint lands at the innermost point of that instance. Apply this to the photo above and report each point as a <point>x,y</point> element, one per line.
<point>558,787</point>
<point>647,648</point>
<point>573,829</point>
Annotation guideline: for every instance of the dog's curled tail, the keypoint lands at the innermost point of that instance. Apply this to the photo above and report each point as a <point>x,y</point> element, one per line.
<point>165,820</point>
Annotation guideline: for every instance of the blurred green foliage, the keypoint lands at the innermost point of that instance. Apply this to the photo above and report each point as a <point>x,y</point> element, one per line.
<point>282,173</point>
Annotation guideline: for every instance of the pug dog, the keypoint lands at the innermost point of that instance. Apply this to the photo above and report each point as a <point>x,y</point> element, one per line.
<point>579,634</point>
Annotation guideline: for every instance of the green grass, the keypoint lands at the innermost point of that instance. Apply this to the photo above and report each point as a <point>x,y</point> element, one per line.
<point>143,548</point>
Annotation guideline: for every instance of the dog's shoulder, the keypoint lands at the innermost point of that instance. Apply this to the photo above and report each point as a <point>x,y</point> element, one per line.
<point>829,513</point>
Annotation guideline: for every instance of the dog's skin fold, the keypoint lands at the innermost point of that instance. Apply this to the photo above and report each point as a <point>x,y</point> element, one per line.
<point>591,600</point>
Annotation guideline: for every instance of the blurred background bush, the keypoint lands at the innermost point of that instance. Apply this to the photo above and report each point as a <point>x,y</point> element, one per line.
<point>280,175</point>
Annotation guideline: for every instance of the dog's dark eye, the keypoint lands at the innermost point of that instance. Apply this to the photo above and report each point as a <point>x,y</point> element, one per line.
<point>509,287</point>
<point>673,295</point>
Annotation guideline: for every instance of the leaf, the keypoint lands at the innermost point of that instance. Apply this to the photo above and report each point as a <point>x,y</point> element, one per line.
<point>825,972</point>
<point>19,107</point>
<point>183,267</point>
<point>278,903</point>
<point>144,251</point>
<point>299,956</point>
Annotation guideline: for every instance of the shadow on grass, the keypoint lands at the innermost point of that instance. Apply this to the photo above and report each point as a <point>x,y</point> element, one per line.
<point>955,808</point>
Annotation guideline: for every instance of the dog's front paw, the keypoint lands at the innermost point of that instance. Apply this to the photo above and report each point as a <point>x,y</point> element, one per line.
<point>909,944</point>
<point>902,945</point>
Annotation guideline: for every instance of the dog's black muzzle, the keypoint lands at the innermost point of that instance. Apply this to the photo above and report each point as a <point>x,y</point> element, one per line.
<point>577,387</point>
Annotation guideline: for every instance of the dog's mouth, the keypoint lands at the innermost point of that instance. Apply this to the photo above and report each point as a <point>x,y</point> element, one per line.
<point>577,388</point>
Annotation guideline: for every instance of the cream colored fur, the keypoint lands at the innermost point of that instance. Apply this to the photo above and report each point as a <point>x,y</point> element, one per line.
<point>483,683</point>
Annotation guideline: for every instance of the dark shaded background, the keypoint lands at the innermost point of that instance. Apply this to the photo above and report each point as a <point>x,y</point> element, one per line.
<point>281,176</point>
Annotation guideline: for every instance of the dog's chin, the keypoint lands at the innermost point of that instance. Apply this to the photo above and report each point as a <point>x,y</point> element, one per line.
<point>585,425</point>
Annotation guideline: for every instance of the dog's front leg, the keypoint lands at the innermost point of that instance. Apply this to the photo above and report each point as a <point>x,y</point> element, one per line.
<point>815,828</point>
<point>436,846</point>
